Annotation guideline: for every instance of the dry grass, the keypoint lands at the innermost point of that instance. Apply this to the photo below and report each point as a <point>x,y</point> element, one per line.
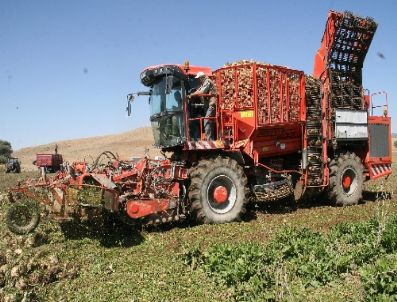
<point>127,144</point>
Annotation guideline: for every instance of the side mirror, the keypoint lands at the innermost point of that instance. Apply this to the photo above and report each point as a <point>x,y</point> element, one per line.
<point>130,98</point>
<point>128,109</point>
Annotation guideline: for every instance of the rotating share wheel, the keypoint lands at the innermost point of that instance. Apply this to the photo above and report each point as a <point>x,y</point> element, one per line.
<point>23,217</point>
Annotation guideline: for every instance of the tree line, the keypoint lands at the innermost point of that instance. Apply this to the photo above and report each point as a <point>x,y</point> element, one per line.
<point>5,151</point>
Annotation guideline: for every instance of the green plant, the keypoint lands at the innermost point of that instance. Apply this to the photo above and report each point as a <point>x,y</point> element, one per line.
<point>297,259</point>
<point>356,243</point>
<point>389,236</point>
<point>228,264</point>
<point>307,254</point>
<point>380,279</point>
<point>237,267</point>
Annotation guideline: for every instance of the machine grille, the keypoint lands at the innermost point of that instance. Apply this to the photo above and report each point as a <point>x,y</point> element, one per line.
<point>379,140</point>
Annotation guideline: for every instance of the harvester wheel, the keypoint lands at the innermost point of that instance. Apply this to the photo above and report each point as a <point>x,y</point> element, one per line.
<point>218,191</point>
<point>346,180</point>
<point>23,217</point>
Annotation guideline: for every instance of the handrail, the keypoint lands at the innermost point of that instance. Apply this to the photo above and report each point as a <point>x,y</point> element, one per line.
<point>386,106</point>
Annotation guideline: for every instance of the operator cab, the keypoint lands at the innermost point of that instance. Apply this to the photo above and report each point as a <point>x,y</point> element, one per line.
<point>169,109</point>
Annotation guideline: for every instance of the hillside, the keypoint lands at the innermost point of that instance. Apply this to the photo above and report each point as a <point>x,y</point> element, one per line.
<point>127,144</point>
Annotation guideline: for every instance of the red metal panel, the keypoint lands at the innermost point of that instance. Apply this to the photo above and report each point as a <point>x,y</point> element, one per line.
<point>43,160</point>
<point>328,38</point>
<point>141,208</point>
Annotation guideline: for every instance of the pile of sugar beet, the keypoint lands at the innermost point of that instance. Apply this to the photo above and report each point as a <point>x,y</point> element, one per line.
<point>26,267</point>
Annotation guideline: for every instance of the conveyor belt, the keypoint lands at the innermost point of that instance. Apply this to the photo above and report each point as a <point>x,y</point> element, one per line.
<point>314,132</point>
<point>347,51</point>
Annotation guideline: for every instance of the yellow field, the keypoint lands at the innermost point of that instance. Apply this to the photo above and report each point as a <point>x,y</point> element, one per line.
<point>127,144</point>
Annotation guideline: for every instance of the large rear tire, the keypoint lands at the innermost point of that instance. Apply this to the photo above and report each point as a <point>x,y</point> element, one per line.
<point>218,191</point>
<point>23,217</point>
<point>346,180</point>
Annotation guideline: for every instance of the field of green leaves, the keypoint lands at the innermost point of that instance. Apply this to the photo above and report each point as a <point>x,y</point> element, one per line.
<point>299,264</point>
<point>314,252</point>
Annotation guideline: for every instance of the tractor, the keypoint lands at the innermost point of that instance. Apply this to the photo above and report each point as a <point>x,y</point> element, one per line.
<point>13,165</point>
<point>278,134</point>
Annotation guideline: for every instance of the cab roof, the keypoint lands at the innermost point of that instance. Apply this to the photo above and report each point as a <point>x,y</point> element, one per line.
<point>192,71</point>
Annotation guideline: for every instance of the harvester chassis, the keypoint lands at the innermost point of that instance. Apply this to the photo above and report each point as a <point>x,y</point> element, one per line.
<point>277,132</point>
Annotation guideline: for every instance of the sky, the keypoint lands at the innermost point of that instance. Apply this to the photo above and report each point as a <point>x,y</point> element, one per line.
<point>67,66</point>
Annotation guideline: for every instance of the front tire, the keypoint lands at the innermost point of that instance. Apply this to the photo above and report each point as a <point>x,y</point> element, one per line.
<point>23,217</point>
<point>346,180</point>
<point>218,191</point>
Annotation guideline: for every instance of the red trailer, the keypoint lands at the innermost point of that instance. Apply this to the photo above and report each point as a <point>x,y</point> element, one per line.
<point>51,162</point>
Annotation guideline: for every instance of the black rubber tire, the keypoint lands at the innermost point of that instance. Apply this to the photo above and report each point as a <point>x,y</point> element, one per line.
<point>338,167</point>
<point>31,217</point>
<point>203,175</point>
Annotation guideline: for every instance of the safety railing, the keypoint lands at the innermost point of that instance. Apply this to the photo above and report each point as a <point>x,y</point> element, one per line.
<point>198,123</point>
<point>385,105</point>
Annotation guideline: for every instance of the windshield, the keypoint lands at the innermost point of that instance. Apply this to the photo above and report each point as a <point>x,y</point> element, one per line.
<point>166,110</point>
<point>160,102</point>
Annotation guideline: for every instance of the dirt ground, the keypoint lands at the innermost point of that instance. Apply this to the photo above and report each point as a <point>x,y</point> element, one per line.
<point>97,262</point>
<point>91,262</point>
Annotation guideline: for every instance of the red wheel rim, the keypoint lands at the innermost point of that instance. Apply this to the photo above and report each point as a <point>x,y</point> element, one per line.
<point>347,181</point>
<point>220,194</point>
